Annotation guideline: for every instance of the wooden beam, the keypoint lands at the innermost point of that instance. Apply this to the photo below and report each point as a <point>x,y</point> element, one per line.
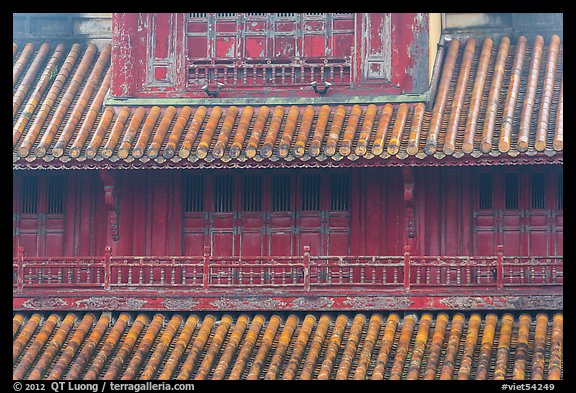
<point>112,200</point>
<point>409,206</point>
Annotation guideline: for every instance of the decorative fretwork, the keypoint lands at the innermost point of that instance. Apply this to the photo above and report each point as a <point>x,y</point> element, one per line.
<point>485,191</point>
<point>269,49</point>
<point>538,191</point>
<point>340,192</point>
<point>304,273</point>
<point>310,192</point>
<point>281,195</point>
<point>29,195</point>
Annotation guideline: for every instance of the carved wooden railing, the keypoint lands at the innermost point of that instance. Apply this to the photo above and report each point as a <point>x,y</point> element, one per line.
<point>304,272</point>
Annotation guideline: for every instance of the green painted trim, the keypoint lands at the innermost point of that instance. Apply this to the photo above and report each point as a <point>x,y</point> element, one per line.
<point>345,100</point>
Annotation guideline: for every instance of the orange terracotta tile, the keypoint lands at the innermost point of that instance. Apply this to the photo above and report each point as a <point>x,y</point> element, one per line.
<point>36,94</point>
<point>154,147</point>
<point>176,132</point>
<point>304,132</point>
<point>476,100</point>
<point>495,87</point>
<point>419,346</point>
<point>272,133</point>
<point>247,347</point>
<point>241,131</point>
<point>442,96</point>
<point>459,95</point>
<point>72,347</point>
<point>547,91</point>
<point>20,64</point>
<point>365,132</point>
<point>193,129</point>
<point>65,102</point>
<point>559,130</point>
<point>26,83</point>
<point>288,133</point>
<point>50,101</point>
<point>225,131</point>
<point>57,118</point>
<point>257,131</point>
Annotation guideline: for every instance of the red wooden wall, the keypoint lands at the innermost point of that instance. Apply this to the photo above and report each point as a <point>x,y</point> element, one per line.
<point>459,211</point>
<point>56,214</point>
<point>174,55</point>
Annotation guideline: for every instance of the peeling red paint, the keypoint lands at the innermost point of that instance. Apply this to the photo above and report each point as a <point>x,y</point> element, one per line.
<point>157,55</point>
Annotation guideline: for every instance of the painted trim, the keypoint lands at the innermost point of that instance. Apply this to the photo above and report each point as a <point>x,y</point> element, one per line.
<point>336,99</point>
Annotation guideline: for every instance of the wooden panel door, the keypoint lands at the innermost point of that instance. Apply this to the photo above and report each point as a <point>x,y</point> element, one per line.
<point>39,218</point>
<point>511,214</point>
<point>538,215</point>
<point>338,215</point>
<point>558,217</point>
<point>485,215</point>
<point>159,210</point>
<point>252,223</point>
<point>223,226</point>
<point>311,217</point>
<point>195,219</point>
<point>282,218</point>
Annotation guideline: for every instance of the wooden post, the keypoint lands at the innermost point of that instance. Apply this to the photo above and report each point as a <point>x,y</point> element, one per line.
<point>107,268</point>
<point>407,267</point>
<point>499,266</point>
<point>307,268</point>
<point>206,271</point>
<point>20,270</point>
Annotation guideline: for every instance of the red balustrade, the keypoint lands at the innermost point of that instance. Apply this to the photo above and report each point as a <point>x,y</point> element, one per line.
<point>302,273</point>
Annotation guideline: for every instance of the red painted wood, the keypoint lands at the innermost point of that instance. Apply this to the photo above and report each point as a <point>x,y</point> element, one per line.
<point>394,225</point>
<point>358,219</point>
<point>135,282</point>
<point>432,202</point>
<point>153,52</point>
<point>466,226</point>
<point>16,184</point>
<point>152,221</point>
<point>357,300</point>
<point>282,239</point>
<point>128,53</point>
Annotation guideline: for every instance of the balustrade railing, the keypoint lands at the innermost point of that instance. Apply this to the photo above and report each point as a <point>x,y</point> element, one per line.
<point>453,271</point>
<point>304,272</point>
<point>525,271</point>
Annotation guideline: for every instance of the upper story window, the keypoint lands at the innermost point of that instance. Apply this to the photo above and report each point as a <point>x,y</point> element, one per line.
<point>42,195</point>
<point>200,55</point>
<point>269,49</point>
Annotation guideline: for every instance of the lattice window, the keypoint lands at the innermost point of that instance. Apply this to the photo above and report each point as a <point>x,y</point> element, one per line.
<point>252,201</point>
<point>340,192</point>
<point>193,194</point>
<point>29,195</point>
<point>55,197</point>
<point>223,193</point>
<point>511,191</point>
<point>269,49</point>
<point>485,193</point>
<point>560,192</point>
<point>311,192</point>
<point>281,193</point>
<point>538,191</point>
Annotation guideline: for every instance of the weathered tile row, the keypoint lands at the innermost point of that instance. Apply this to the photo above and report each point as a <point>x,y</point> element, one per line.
<point>492,98</point>
<point>359,346</point>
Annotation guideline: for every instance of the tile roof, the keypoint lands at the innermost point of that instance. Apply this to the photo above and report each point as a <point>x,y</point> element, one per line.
<point>492,99</point>
<point>278,346</point>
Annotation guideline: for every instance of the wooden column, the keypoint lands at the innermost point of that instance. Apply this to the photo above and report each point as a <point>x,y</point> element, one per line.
<point>409,206</point>
<point>112,200</point>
